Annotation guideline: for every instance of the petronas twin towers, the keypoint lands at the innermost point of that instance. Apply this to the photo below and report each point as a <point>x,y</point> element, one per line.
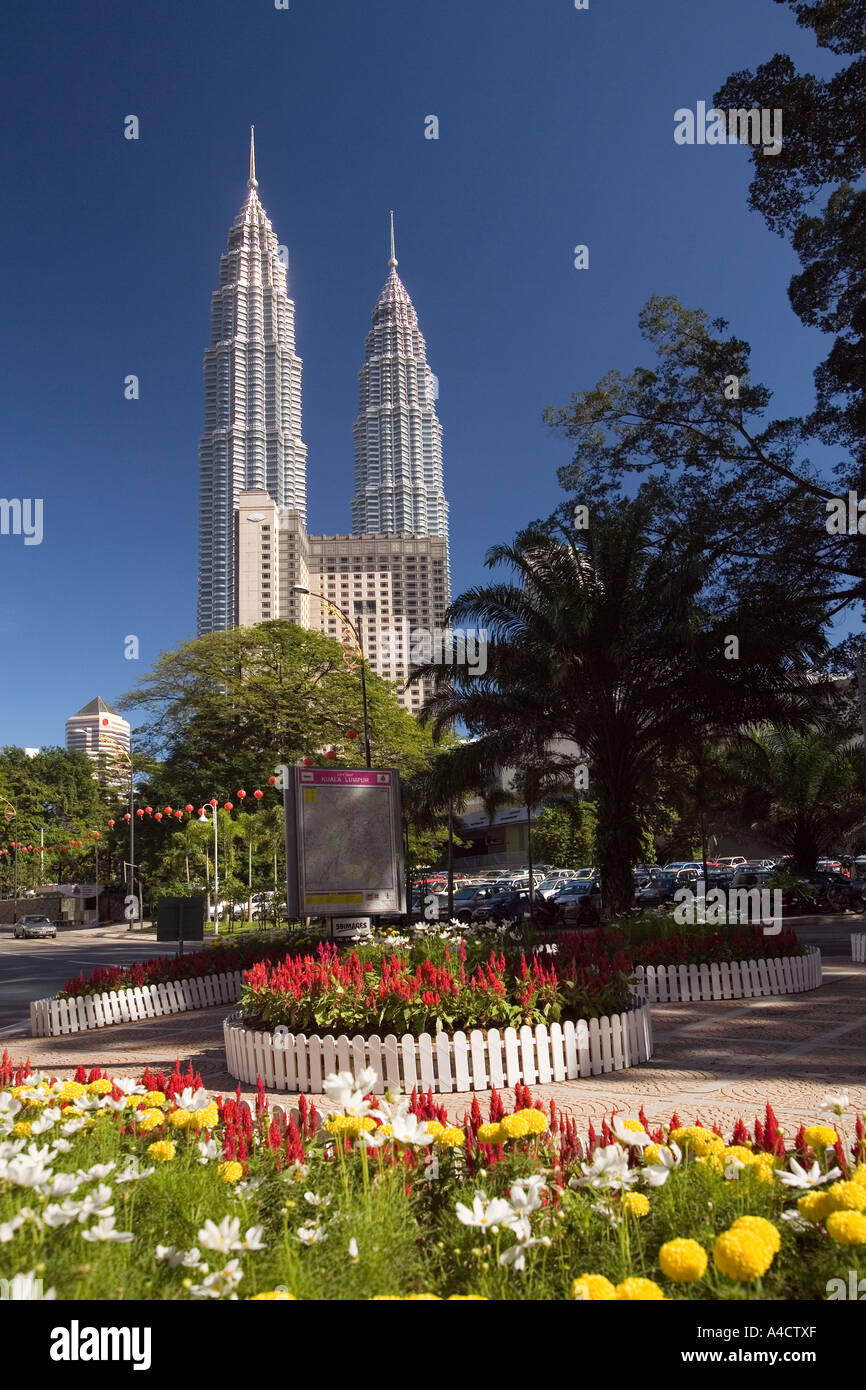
<point>253,460</point>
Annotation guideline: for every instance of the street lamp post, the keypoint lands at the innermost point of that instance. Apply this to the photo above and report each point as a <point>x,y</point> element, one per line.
<point>216,864</point>
<point>356,633</point>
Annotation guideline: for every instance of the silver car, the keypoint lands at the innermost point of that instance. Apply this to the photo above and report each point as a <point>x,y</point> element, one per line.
<point>34,926</point>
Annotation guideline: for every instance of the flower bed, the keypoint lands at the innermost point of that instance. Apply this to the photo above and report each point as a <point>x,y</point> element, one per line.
<point>442,1063</point>
<point>405,1202</point>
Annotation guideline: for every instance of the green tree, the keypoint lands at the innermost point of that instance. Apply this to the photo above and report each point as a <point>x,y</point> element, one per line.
<point>823,156</point>
<point>607,641</point>
<point>802,787</point>
<point>565,835</point>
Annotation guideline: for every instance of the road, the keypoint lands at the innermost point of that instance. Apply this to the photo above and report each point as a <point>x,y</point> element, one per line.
<point>36,969</point>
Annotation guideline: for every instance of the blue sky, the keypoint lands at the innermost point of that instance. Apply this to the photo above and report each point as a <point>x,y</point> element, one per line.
<point>556,128</point>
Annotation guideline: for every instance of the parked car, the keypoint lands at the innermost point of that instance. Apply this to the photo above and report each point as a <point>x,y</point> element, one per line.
<point>731,861</point>
<point>663,885</point>
<point>466,901</point>
<point>34,926</point>
<point>548,887</point>
<point>578,903</point>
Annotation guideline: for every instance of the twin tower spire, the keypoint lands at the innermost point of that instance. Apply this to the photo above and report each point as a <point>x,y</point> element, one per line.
<point>252,436</point>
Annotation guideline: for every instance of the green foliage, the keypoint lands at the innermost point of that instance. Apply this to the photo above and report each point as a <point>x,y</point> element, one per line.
<point>565,835</point>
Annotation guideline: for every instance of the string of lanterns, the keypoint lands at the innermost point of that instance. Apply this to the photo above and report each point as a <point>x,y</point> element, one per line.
<point>169,813</point>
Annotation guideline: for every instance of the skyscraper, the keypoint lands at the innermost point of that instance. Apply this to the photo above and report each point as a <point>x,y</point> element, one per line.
<point>257,560</point>
<point>398,437</point>
<point>252,403</point>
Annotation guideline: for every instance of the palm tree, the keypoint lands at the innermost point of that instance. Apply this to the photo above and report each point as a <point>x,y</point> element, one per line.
<point>607,641</point>
<point>802,788</point>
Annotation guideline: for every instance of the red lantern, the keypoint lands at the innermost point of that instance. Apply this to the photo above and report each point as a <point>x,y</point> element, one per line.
<point>168,810</point>
<point>178,815</point>
<point>258,795</point>
<point>331,754</point>
<point>308,762</point>
<point>201,810</point>
<point>351,733</point>
<point>241,795</point>
<point>127,816</point>
<point>229,805</point>
<point>148,810</point>
<point>272,781</point>
<point>213,801</point>
<point>96,835</point>
<point>158,815</point>
<point>188,809</point>
<point>111,822</point>
<point>140,814</point>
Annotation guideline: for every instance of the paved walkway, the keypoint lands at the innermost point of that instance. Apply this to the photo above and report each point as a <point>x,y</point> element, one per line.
<point>712,1061</point>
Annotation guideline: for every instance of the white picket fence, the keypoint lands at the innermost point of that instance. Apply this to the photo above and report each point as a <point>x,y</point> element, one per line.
<point>51,1017</point>
<point>745,979</point>
<point>295,1062</point>
<point>858,947</point>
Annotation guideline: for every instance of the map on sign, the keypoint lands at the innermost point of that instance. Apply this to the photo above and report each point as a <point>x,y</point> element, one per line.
<point>348,841</point>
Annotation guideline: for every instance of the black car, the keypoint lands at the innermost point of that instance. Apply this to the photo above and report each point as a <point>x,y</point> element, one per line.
<point>825,891</point>
<point>664,884</point>
<point>578,903</point>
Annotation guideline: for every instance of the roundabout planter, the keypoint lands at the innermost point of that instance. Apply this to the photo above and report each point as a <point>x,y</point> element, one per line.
<point>745,979</point>
<point>444,1063</point>
<point>858,947</point>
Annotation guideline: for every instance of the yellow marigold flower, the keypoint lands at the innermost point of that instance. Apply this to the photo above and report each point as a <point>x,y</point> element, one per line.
<point>859,1174</point>
<point>847,1227</point>
<point>385,1129</point>
<point>820,1136</point>
<point>422,1298</point>
<point>350,1125</point>
<point>682,1260</point>
<point>435,1128</point>
<point>812,1206</point>
<point>517,1126</point>
<point>639,1290</point>
<point>21,1129</point>
<point>275,1295</point>
<point>593,1288</point>
<point>162,1150</point>
<point>698,1139</point>
<point>230,1172</point>
<point>179,1119</point>
<point>760,1227</point>
<point>16,1091</point>
<point>467,1298</point>
<point>153,1098</point>
<point>742,1254</point>
<point>740,1152</point>
<point>71,1090</point>
<point>454,1138</point>
<point>491,1134</point>
<point>103,1110</point>
<point>206,1118</point>
<point>100,1087</point>
<point>636,1204</point>
<point>150,1119</point>
<point>536,1120</point>
<point>634,1125</point>
<point>846,1196</point>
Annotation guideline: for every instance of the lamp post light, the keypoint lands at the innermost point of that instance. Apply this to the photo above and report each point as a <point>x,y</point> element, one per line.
<point>356,633</point>
<point>203,820</point>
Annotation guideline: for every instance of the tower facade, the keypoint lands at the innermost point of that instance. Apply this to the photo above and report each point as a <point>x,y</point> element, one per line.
<point>252,404</point>
<point>398,437</point>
